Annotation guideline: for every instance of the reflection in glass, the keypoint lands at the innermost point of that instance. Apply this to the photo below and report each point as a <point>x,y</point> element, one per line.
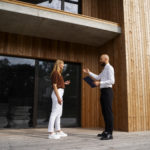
<point>44,92</point>
<point>74,0</point>
<point>69,7</point>
<point>71,111</point>
<point>72,6</point>
<point>16,92</point>
<point>72,96</point>
<point>55,4</point>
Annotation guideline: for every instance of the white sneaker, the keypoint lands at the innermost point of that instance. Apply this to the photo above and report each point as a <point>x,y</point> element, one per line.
<point>61,134</point>
<point>53,136</point>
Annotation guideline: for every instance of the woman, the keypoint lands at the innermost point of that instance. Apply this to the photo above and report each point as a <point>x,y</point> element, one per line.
<point>57,100</point>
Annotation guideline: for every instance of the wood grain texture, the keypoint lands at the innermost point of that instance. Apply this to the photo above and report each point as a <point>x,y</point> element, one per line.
<point>11,44</point>
<point>117,59</point>
<point>113,11</point>
<point>103,9</point>
<point>129,54</point>
<point>91,116</point>
<point>24,46</point>
<point>82,16</point>
<point>137,37</point>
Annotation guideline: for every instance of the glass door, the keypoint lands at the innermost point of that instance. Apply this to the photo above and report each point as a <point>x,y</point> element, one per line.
<point>25,93</point>
<point>16,92</point>
<point>72,95</point>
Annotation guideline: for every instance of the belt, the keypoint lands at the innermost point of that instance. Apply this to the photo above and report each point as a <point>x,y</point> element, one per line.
<point>106,88</point>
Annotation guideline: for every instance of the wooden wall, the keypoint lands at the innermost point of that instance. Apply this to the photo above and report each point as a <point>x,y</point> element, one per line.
<point>24,46</point>
<point>11,44</point>
<point>130,55</point>
<point>137,37</point>
<point>104,9</point>
<point>113,11</point>
<point>117,58</point>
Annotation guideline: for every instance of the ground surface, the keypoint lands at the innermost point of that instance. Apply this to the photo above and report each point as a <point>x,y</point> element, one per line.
<point>78,139</point>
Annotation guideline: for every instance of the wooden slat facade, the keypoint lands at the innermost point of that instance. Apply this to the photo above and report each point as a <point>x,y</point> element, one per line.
<point>113,11</point>
<point>137,37</point>
<point>104,9</point>
<point>24,46</point>
<point>129,54</point>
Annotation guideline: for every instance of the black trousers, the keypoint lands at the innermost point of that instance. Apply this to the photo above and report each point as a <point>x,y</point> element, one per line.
<point>106,105</point>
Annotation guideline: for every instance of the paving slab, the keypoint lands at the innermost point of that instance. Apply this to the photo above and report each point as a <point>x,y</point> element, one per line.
<point>78,139</point>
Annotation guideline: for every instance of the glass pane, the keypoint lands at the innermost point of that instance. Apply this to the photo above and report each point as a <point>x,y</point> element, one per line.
<point>33,1</point>
<point>16,92</point>
<point>44,92</point>
<point>55,4</point>
<point>74,0</point>
<point>71,107</point>
<point>72,95</point>
<point>69,7</point>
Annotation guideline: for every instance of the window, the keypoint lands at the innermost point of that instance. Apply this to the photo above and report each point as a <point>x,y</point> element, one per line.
<point>73,6</point>
<point>16,92</point>
<point>25,93</point>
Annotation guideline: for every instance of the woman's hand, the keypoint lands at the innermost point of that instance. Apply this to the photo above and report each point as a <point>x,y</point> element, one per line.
<point>67,82</point>
<point>59,101</point>
<point>97,83</point>
<point>86,70</point>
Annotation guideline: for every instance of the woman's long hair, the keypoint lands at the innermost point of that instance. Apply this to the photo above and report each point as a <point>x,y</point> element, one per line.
<point>56,67</point>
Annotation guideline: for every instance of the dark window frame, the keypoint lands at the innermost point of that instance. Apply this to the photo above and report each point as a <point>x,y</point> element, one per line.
<point>33,120</point>
<point>79,3</point>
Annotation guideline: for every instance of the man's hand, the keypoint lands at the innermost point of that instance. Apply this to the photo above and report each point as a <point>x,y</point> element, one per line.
<point>97,83</point>
<point>59,101</point>
<point>86,70</point>
<point>67,82</point>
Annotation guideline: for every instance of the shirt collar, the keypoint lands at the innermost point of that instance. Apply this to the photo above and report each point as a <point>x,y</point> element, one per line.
<point>107,65</point>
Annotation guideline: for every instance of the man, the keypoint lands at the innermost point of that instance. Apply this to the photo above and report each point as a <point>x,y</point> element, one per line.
<point>105,80</point>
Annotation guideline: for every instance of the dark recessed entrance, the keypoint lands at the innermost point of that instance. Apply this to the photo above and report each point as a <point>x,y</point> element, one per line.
<point>25,89</point>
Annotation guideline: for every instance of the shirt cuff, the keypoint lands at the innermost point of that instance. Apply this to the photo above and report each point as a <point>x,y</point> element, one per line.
<point>102,82</point>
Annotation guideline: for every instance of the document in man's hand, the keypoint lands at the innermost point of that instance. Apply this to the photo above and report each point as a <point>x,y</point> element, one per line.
<point>90,81</point>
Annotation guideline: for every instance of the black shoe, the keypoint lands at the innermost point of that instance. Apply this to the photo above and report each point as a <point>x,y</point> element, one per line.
<point>107,137</point>
<point>102,134</point>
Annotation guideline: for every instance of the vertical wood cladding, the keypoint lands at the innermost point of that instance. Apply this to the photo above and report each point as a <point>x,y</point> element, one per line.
<point>104,9</point>
<point>11,44</point>
<point>137,37</point>
<point>113,11</point>
<point>129,54</point>
<point>25,46</point>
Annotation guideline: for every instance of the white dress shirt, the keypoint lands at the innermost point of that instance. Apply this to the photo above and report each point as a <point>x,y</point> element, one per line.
<point>106,77</point>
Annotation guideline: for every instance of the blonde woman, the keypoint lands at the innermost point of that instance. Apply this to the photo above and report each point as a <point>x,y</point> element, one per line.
<point>58,85</point>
